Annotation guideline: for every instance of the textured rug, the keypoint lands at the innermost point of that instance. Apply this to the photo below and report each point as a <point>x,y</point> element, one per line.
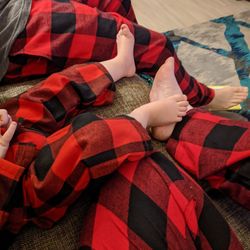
<point>216,52</point>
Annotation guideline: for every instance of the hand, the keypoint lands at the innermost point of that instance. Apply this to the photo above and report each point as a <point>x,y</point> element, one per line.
<point>6,121</point>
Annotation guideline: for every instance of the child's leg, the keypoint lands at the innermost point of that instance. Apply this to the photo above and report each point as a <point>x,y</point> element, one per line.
<point>50,104</point>
<point>54,101</point>
<point>165,205</point>
<point>88,148</point>
<point>79,33</point>
<point>46,108</point>
<point>151,204</point>
<point>165,84</point>
<point>214,149</point>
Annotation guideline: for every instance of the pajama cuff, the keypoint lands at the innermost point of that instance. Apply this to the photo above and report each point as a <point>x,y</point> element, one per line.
<point>10,170</point>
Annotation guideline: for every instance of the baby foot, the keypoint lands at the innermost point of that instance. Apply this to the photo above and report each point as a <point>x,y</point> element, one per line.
<point>228,97</point>
<point>163,112</point>
<point>125,50</point>
<point>165,85</point>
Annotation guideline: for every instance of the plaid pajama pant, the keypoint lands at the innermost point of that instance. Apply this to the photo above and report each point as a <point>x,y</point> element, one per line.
<point>61,33</point>
<point>215,151</point>
<point>147,201</point>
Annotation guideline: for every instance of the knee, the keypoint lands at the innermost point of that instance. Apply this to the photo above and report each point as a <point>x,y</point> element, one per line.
<point>84,119</point>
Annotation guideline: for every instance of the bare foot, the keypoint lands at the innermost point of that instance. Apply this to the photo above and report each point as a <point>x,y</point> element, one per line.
<point>165,85</point>
<point>228,97</point>
<point>125,50</point>
<point>165,111</point>
<point>123,64</point>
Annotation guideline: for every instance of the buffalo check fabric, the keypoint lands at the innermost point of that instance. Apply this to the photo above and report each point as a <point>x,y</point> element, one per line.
<point>152,204</point>
<point>147,202</point>
<point>49,163</point>
<point>60,34</point>
<point>57,152</point>
<point>216,151</point>
<point>53,102</point>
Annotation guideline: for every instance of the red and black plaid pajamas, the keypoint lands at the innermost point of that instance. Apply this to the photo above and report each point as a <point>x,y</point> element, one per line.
<point>148,203</point>
<point>61,33</point>
<point>50,163</point>
<point>152,204</point>
<point>216,151</point>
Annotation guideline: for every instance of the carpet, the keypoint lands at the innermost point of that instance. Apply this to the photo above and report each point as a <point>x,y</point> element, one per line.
<point>216,52</point>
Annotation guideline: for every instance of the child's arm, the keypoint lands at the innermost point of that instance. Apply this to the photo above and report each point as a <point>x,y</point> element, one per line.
<point>6,121</point>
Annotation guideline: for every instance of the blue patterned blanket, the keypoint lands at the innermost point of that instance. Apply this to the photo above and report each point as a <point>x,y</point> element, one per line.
<point>216,52</point>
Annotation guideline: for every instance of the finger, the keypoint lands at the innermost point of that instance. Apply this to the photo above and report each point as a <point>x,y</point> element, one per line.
<point>3,151</point>
<point>9,132</point>
<point>10,120</point>
<point>3,117</point>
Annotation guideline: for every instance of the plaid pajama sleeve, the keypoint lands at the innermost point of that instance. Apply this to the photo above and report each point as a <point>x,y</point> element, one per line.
<point>216,151</point>
<point>152,204</point>
<point>60,34</point>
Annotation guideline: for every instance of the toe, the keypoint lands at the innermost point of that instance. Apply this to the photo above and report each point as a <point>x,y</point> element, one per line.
<point>183,109</point>
<point>183,104</point>
<point>124,26</point>
<point>180,115</point>
<point>180,98</point>
<point>179,118</point>
<point>119,33</point>
<point>241,96</point>
<point>125,29</point>
<point>241,90</point>
<point>170,64</point>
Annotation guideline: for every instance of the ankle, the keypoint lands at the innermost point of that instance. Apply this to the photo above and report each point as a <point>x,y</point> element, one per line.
<point>141,115</point>
<point>114,67</point>
<point>126,64</point>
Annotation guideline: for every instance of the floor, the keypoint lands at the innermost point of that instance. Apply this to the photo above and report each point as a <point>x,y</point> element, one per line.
<point>163,15</point>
